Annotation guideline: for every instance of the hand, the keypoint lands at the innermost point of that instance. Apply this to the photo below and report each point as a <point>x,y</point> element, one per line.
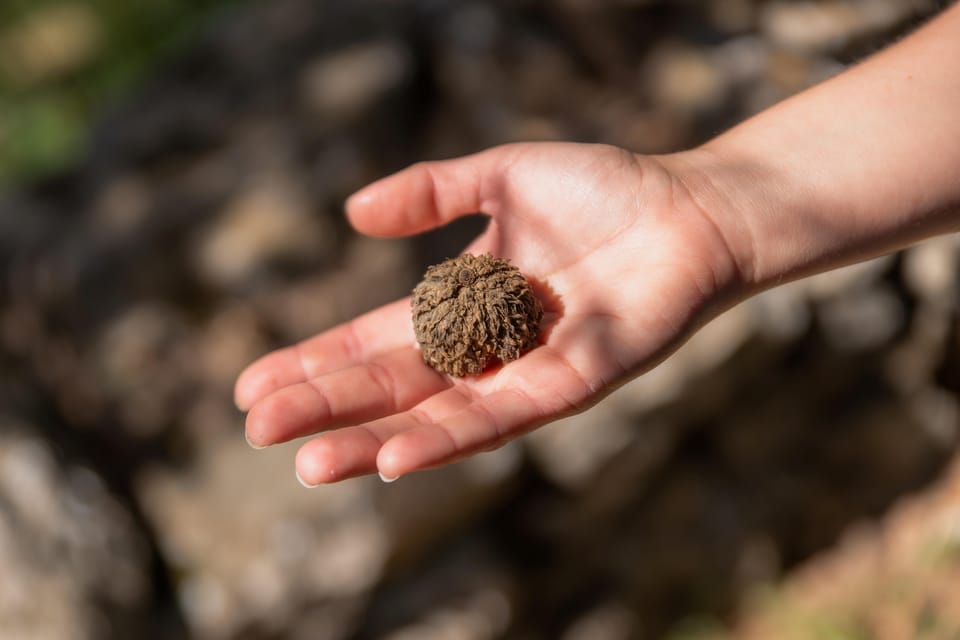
<point>628,265</point>
<point>632,252</point>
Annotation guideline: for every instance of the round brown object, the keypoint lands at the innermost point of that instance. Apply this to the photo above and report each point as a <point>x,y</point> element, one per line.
<point>473,310</point>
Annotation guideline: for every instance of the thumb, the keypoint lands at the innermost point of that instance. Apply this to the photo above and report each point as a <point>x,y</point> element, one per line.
<point>427,195</point>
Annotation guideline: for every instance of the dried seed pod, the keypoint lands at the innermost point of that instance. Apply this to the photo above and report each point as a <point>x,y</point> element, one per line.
<point>471,311</point>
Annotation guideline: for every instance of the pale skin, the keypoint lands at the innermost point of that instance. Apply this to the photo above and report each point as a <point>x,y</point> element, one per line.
<point>637,252</point>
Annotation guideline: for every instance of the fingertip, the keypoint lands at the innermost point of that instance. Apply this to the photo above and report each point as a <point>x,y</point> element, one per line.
<point>422,196</point>
<point>304,483</point>
<point>407,452</point>
<point>276,418</point>
<point>314,464</point>
<point>254,428</point>
<point>266,374</point>
<point>252,444</point>
<point>360,199</point>
<point>243,396</point>
<point>389,465</point>
<point>362,210</point>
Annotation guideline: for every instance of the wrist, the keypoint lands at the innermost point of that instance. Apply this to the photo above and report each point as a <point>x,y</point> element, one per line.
<point>858,166</point>
<point>729,193</point>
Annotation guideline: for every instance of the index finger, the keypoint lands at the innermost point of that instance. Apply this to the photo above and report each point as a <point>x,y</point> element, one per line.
<point>345,345</point>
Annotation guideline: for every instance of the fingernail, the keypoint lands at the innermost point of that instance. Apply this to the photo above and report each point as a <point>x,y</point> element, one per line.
<point>304,482</point>
<point>387,479</point>
<point>254,446</point>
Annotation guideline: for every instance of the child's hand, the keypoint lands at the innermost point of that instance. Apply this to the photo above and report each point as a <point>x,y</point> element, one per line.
<point>632,253</point>
<point>627,264</point>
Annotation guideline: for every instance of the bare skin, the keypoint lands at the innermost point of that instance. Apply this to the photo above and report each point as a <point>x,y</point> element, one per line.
<point>638,252</point>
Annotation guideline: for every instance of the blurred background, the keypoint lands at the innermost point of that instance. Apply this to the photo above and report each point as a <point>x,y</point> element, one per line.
<point>172,175</point>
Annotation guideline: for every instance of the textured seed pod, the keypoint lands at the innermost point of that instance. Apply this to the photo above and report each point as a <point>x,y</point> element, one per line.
<point>471,311</point>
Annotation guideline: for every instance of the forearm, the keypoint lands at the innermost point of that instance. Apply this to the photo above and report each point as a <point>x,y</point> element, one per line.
<point>863,164</point>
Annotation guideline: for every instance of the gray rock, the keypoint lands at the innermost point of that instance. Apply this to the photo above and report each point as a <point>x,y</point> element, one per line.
<point>272,219</point>
<point>822,26</point>
<point>338,86</point>
<point>74,565</point>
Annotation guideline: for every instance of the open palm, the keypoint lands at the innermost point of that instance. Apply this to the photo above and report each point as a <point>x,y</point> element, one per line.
<point>627,266</point>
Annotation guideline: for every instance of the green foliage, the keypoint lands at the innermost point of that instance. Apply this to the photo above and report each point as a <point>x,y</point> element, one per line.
<point>61,60</point>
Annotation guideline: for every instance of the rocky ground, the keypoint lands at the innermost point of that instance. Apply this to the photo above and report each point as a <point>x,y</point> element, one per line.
<point>792,470</point>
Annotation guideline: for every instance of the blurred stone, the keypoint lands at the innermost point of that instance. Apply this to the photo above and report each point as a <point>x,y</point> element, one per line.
<point>789,72</point>
<point>50,42</point>
<point>137,340</point>
<point>543,74</point>
<point>21,328</point>
<point>330,620</point>
<point>686,79</point>
<point>716,341</point>
<point>341,167</point>
<point>931,268</point>
<point>570,451</point>
<point>810,26</point>
<point>732,16</point>
<point>232,339</point>
<point>706,350</point>
<point>271,220</point>
<point>782,313</point>
<point>206,419</point>
<point>823,26</point>
<point>424,508</point>
<point>74,565</point>
<point>536,130</point>
<point>838,282</point>
<point>343,83</point>
<point>138,358</point>
<point>122,205</point>
<point>938,412</point>
<point>744,59</point>
<point>862,319</point>
<point>610,621</point>
<point>493,467</point>
<point>911,364</point>
<point>623,123</point>
<point>473,26</point>
<point>288,547</point>
<point>484,616</point>
<point>473,80</point>
<point>373,273</point>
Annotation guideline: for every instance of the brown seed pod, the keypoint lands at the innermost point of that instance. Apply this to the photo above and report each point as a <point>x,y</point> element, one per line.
<point>471,311</point>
